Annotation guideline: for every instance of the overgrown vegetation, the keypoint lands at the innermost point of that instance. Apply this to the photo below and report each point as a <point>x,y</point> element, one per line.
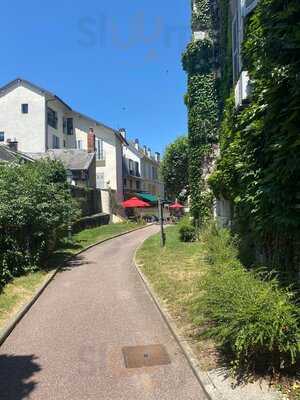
<point>35,206</point>
<point>200,63</point>
<point>187,231</point>
<point>246,312</point>
<point>259,168</point>
<point>253,321</point>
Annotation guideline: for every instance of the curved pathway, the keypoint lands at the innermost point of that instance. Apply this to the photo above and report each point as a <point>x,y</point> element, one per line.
<point>69,345</point>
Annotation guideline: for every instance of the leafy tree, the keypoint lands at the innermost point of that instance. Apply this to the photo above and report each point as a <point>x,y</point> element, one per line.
<point>174,167</point>
<point>35,203</point>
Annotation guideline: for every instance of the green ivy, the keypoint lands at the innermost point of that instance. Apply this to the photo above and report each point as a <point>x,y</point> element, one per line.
<point>259,168</point>
<point>202,16</point>
<point>199,62</point>
<point>199,57</point>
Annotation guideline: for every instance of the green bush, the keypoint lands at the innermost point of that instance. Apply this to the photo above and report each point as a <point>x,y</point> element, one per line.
<point>187,232</point>
<point>251,317</point>
<point>35,204</point>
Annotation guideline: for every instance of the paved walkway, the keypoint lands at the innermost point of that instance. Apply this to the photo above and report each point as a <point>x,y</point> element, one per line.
<point>69,345</point>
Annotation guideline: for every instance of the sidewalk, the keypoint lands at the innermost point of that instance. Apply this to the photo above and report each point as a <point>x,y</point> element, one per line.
<point>70,345</point>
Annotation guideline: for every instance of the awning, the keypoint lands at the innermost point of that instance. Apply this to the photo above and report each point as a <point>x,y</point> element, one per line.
<point>176,206</point>
<point>147,197</point>
<point>134,203</point>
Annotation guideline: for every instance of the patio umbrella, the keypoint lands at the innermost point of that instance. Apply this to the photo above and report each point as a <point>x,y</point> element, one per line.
<point>134,202</point>
<point>176,206</point>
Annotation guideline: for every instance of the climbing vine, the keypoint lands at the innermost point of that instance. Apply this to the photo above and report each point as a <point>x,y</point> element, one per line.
<point>259,168</point>
<point>200,63</point>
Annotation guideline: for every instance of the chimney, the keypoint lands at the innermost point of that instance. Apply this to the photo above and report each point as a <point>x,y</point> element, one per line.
<point>157,156</point>
<point>123,132</point>
<point>12,144</point>
<point>145,150</point>
<point>137,144</point>
<point>91,141</point>
<point>149,152</point>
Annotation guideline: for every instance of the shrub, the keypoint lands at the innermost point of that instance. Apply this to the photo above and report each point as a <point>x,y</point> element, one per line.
<point>253,318</point>
<point>187,232</point>
<point>35,203</point>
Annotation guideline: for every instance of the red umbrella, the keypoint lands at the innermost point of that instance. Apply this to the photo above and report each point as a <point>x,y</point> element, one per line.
<point>176,206</point>
<point>134,202</point>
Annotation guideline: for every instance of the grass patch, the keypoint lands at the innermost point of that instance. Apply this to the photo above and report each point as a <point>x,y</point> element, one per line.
<point>174,273</point>
<point>16,293</point>
<point>233,317</point>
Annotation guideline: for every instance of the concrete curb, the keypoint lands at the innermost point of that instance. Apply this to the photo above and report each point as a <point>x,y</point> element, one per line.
<point>203,377</point>
<point>6,331</point>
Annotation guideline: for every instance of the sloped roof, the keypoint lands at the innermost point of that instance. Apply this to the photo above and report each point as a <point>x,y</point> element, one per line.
<point>18,81</point>
<point>9,155</point>
<point>72,159</point>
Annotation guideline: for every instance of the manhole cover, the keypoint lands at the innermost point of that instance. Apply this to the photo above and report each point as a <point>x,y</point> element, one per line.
<point>145,356</point>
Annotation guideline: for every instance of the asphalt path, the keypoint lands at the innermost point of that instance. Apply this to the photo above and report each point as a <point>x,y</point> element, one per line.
<point>69,346</point>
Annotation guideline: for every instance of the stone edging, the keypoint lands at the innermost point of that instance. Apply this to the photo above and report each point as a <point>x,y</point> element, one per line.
<point>6,331</point>
<point>203,377</point>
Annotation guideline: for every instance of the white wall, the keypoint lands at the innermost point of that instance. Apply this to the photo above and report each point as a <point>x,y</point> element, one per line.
<point>222,212</point>
<point>28,129</point>
<point>65,141</point>
<point>148,181</point>
<point>112,168</point>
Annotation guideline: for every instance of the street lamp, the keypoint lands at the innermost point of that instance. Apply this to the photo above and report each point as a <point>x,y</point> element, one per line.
<point>69,180</point>
<point>161,220</point>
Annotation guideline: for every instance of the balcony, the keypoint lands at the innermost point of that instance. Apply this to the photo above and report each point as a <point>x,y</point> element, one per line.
<point>242,90</point>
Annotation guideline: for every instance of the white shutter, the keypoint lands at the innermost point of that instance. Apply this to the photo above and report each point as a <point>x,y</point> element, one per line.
<point>100,180</point>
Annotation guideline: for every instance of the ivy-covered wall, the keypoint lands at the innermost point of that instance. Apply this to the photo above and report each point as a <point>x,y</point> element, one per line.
<point>200,63</point>
<point>259,167</point>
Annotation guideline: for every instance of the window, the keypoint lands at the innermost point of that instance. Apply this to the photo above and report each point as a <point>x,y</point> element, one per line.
<point>55,142</point>
<point>137,169</point>
<point>131,167</point>
<point>100,180</point>
<point>237,39</point>
<point>52,118</point>
<point>64,143</point>
<point>125,182</point>
<point>2,136</point>
<point>99,149</point>
<point>79,144</point>
<point>138,185</point>
<point>154,173</point>
<point>24,108</point>
<point>68,126</point>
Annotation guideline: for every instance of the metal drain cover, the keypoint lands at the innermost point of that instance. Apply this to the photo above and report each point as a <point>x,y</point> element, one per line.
<point>145,356</point>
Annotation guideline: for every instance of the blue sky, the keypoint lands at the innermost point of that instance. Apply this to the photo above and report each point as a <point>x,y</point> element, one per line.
<point>117,61</point>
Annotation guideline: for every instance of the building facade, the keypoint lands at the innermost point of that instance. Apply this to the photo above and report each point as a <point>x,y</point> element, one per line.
<point>39,120</point>
<point>141,170</point>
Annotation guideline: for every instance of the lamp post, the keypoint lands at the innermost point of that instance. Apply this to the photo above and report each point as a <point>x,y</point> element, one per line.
<point>161,221</point>
<point>69,180</point>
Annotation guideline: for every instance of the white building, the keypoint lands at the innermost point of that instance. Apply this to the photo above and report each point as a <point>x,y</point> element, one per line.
<point>39,120</point>
<point>141,170</point>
